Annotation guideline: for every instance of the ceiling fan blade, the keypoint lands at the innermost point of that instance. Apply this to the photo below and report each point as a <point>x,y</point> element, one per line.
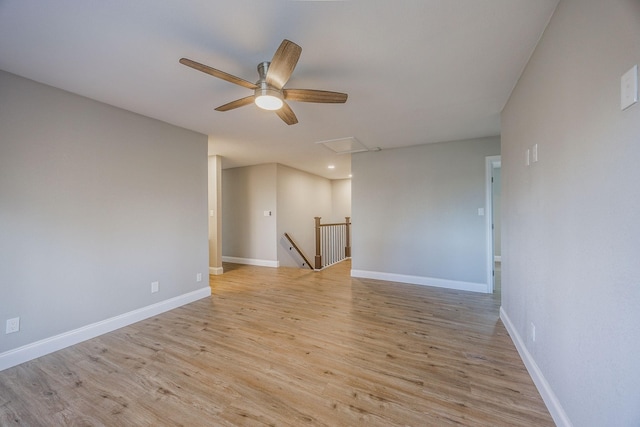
<point>217,73</point>
<point>287,115</point>
<point>283,63</point>
<point>236,104</point>
<point>312,95</point>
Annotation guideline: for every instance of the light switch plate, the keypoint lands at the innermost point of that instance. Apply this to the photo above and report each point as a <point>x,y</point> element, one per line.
<point>629,88</point>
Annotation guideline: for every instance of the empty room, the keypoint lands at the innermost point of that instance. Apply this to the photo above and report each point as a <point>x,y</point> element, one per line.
<point>336,213</point>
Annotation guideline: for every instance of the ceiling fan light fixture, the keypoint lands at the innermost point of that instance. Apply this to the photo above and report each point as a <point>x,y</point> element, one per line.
<point>268,99</point>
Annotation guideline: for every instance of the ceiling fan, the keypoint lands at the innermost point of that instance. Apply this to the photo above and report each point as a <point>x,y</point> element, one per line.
<point>269,92</point>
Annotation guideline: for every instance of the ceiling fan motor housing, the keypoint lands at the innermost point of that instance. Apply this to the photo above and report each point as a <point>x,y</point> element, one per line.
<point>267,96</point>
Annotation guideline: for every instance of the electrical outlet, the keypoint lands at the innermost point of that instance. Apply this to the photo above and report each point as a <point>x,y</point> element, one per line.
<point>199,277</point>
<point>154,287</point>
<point>13,325</point>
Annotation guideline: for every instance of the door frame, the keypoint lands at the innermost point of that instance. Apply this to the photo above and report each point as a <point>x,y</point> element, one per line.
<point>491,163</point>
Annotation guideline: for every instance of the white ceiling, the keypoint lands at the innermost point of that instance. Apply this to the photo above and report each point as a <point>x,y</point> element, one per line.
<point>416,71</point>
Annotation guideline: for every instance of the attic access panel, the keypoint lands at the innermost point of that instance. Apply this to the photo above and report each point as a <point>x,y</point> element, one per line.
<point>347,145</point>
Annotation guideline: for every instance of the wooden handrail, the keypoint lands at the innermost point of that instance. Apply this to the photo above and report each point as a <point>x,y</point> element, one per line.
<point>295,246</point>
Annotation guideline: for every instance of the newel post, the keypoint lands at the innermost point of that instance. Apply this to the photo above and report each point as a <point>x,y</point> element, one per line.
<point>347,248</point>
<point>318,259</point>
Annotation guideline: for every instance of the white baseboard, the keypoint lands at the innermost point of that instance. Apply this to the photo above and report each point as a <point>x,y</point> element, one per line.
<point>550,399</point>
<point>58,342</point>
<point>251,261</point>
<point>216,271</point>
<point>421,280</point>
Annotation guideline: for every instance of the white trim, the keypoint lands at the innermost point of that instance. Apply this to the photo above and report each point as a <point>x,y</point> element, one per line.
<point>216,271</point>
<point>491,162</point>
<point>58,342</point>
<point>421,280</point>
<point>497,258</point>
<point>330,265</point>
<point>251,261</point>
<point>550,399</point>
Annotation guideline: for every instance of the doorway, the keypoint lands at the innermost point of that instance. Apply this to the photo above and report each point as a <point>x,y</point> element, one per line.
<point>493,185</point>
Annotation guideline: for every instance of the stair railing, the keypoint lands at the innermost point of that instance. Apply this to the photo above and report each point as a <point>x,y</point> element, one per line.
<point>333,242</point>
<point>295,246</point>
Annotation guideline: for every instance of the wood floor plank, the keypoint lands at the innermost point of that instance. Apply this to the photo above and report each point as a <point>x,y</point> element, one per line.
<point>289,347</point>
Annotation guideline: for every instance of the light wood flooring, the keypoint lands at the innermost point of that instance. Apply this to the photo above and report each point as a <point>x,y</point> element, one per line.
<point>289,347</point>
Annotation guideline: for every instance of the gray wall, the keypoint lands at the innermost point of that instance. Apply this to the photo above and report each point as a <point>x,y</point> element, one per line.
<point>340,199</point>
<point>571,221</point>
<point>246,193</point>
<point>294,197</point>
<point>415,210</point>
<point>95,204</point>
<point>301,197</point>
